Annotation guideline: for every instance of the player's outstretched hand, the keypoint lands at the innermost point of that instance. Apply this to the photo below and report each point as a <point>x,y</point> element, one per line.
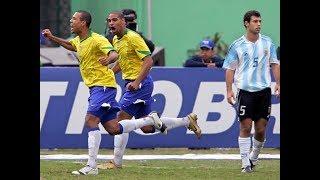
<point>46,33</point>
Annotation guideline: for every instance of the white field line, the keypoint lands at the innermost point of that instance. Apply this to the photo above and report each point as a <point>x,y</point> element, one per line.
<point>149,157</point>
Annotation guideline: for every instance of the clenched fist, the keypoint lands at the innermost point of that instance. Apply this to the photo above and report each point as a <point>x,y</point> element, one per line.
<point>46,33</point>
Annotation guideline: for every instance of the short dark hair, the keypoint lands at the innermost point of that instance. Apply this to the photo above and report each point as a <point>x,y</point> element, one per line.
<point>85,16</point>
<point>119,13</point>
<point>247,16</point>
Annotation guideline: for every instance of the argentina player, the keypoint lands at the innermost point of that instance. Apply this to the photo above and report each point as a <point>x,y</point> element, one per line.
<point>248,64</point>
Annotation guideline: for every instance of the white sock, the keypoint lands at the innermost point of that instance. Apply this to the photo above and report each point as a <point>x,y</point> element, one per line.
<point>130,125</point>
<point>172,123</point>
<point>256,148</point>
<point>175,122</point>
<point>120,143</point>
<point>244,146</point>
<point>94,139</point>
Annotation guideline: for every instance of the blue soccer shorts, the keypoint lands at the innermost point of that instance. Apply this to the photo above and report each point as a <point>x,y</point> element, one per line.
<point>102,103</point>
<point>138,103</point>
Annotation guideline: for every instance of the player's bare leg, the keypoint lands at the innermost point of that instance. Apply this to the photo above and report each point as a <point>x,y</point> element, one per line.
<point>258,140</point>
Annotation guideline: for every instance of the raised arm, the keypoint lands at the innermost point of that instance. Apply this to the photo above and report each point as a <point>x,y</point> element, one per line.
<point>64,43</point>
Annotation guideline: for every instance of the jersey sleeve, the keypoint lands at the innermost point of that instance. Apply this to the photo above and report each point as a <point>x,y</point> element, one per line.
<point>273,54</point>
<point>140,47</point>
<point>104,45</point>
<point>231,60</point>
<point>73,42</point>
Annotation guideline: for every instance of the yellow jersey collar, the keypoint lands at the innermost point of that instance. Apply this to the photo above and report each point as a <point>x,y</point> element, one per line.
<point>89,35</point>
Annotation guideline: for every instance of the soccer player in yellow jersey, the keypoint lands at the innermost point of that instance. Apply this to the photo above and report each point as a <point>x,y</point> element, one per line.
<point>135,63</point>
<point>95,53</point>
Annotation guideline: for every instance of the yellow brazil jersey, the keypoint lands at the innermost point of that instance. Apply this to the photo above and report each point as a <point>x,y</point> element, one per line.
<point>89,51</point>
<point>131,49</point>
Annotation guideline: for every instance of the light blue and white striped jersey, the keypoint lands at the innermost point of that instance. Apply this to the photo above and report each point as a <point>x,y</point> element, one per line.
<point>251,62</point>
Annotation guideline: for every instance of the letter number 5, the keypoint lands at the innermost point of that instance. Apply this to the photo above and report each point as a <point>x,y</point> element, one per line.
<point>242,110</point>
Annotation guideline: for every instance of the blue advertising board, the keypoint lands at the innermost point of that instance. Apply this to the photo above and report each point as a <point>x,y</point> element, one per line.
<point>177,92</point>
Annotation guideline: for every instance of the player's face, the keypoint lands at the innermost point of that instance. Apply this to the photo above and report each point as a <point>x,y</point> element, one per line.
<point>116,24</point>
<point>76,23</point>
<point>254,26</point>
